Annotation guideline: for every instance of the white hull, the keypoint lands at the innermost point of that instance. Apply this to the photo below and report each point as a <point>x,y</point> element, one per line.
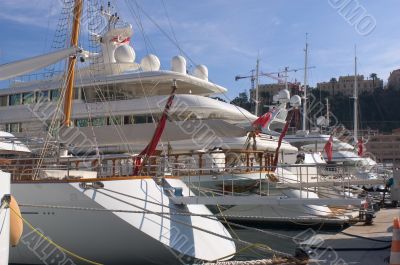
<point>111,237</point>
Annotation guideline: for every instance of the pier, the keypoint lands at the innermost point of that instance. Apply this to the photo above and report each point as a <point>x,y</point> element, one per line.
<point>358,244</point>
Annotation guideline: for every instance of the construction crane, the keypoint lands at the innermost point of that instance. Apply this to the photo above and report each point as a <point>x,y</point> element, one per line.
<point>281,80</point>
<point>254,78</point>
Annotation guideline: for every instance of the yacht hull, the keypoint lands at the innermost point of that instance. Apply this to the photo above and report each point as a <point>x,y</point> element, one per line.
<point>113,225</point>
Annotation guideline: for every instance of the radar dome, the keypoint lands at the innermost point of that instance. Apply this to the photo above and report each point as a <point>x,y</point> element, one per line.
<point>322,121</point>
<point>295,101</point>
<point>201,71</point>
<point>284,96</point>
<point>124,54</point>
<point>150,63</point>
<point>178,64</point>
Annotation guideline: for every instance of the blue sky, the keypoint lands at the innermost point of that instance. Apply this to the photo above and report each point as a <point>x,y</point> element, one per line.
<point>227,35</point>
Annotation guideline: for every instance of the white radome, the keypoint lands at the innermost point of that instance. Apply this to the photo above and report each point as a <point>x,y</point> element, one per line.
<point>178,64</point>
<point>201,71</point>
<point>284,96</point>
<point>150,63</point>
<point>295,101</point>
<point>124,54</point>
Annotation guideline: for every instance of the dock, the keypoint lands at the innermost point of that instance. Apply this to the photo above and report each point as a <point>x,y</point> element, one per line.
<point>358,244</point>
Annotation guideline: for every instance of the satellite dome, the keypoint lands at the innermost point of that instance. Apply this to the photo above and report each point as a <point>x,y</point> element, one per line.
<point>178,64</point>
<point>284,96</point>
<point>322,121</point>
<point>124,54</point>
<point>201,71</point>
<point>295,101</point>
<point>150,63</point>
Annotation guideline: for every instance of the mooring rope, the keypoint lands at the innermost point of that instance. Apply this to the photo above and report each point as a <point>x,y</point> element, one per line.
<point>62,249</point>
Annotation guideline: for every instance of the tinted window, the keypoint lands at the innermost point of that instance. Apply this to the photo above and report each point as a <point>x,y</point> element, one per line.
<point>15,99</point>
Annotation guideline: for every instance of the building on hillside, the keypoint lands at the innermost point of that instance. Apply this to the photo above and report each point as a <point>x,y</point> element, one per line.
<point>345,85</point>
<point>267,91</point>
<point>385,147</point>
<point>394,79</point>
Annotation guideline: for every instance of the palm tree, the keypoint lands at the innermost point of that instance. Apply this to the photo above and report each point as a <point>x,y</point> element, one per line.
<point>333,82</point>
<point>374,76</point>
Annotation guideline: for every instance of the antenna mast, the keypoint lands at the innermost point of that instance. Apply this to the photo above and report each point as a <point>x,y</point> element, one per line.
<point>69,92</point>
<point>257,75</point>
<point>355,97</point>
<point>305,85</point>
<point>327,113</point>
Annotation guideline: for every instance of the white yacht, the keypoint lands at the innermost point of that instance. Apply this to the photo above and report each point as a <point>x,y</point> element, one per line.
<point>107,220</point>
<point>115,105</point>
<point>81,215</point>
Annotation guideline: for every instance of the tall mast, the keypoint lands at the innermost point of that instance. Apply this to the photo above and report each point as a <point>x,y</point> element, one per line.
<point>71,63</point>
<point>305,85</point>
<point>257,77</point>
<point>355,97</point>
<point>327,113</point>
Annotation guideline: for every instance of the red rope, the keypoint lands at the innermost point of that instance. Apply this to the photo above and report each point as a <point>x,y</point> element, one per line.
<point>151,147</point>
<point>283,134</point>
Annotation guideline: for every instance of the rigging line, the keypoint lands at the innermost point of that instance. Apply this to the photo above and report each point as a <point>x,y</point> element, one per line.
<point>148,43</point>
<point>59,247</point>
<point>184,53</point>
<point>105,102</point>
<point>199,228</point>
<point>113,119</point>
<point>102,98</point>
<point>139,8</point>
<point>139,24</point>
<point>118,128</point>
<point>140,21</point>
<point>170,25</point>
<point>48,26</point>
<point>52,124</point>
<point>59,102</point>
<point>3,207</point>
<point>91,123</point>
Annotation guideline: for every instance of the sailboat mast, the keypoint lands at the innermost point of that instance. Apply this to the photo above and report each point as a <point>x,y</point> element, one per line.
<point>71,63</point>
<point>305,85</point>
<point>257,78</point>
<point>327,113</point>
<point>355,98</point>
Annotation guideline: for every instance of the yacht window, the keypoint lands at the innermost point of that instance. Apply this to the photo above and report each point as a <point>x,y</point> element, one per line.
<point>82,122</point>
<point>99,121</point>
<point>54,94</point>
<point>129,119</point>
<point>15,99</point>
<point>3,100</point>
<point>28,98</point>
<point>77,92</point>
<point>140,119</point>
<point>42,96</point>
<point>115,120</point>
<point>13,127</point>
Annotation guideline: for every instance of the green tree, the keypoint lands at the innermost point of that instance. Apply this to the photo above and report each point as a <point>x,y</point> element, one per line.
<point>333,82</point>
<point>242,101</point>
<point>373,76</point>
